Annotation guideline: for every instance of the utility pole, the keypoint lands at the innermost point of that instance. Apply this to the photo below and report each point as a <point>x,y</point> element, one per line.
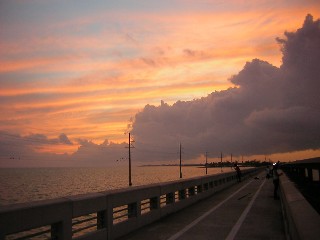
<point>221,161</point>
<point>180,162</point>
<point>206,163</point>
<point>129,146</point>
<point>231,161</point>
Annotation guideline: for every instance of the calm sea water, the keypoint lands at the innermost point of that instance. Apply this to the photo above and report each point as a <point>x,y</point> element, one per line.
<point>31,184</point>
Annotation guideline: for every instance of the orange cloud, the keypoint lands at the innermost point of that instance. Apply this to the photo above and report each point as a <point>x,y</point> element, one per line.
<point>115,72</point>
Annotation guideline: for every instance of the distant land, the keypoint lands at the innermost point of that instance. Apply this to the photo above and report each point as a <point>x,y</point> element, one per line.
<point>250,163</point>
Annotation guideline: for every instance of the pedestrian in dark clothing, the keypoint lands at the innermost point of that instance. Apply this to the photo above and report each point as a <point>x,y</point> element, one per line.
<point>236,167</point>
<point>275,177</point>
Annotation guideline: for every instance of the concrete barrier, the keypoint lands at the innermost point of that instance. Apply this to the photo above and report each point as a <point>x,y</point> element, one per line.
<point>302,220</point>
<point>110,214</point>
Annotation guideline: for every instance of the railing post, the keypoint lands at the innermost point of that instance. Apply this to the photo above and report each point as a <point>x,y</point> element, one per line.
<point>182,194</point>
<point>133,210</point>
<point>154,203</point>
<point>310,177</point>
<point>170,198</point>
<point>56,232</point>
<point>191,191</point>
<point>102,219</point>
<point>316,175</point>
<point>301,173</point>
<point>61,230</point>
<point>109,219</point>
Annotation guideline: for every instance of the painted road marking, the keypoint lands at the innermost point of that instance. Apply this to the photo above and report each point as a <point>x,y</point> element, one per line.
<point>243,216</point>
<point>195,222</point>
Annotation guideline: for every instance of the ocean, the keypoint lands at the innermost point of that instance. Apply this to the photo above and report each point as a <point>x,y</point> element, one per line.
<point>18,185</point>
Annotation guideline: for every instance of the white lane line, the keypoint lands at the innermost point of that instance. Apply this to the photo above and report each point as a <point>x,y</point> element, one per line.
<point>243,216</point>
<point>192,224</point>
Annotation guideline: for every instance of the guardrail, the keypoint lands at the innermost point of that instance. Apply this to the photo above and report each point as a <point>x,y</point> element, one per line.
<point>110,214</point>
<point>300,214</point>
<point>305,174</point>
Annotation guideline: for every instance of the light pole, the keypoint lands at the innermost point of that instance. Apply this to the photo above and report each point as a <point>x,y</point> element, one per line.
<point>129,146</point>
<point>206,163</point>
<point>221,161</point>
<point>180,163</point>
<point>130,183</point>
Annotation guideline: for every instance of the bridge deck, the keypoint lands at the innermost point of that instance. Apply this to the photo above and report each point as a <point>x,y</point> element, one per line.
<point>244,211</point>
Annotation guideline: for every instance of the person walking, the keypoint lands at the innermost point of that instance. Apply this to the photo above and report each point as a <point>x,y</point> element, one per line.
<point>275,178</point>
<point>236,167</point>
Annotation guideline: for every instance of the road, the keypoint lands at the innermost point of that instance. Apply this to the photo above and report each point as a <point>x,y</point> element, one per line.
<point>244,211</point>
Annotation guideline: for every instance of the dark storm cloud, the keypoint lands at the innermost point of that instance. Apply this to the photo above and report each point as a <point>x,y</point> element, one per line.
<point>14,146</point>
<point>104,154</point>
<point>270,109</point>
<point>64,139</point>
<point>41,139</point>
<point>17,141</point>
<point>16,150</point>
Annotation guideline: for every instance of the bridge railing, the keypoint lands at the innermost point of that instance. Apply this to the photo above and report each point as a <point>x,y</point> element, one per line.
<point>110,214</point>
<point>302,220</point>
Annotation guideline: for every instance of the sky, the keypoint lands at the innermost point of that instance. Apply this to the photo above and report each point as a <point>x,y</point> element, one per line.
<point>237,77</point>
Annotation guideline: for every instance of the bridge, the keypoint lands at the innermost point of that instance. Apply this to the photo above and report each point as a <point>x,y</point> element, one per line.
<point>209,207</point>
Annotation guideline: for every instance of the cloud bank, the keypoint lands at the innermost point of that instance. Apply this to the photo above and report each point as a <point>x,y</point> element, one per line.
<point>270,109</point>
<point>32,151</point>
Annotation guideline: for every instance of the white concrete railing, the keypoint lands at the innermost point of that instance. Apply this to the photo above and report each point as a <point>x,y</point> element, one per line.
<point>301,220</point>
<point>110,214</point>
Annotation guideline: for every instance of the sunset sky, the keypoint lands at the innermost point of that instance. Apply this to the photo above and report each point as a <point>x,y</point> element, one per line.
<point>76,73</point>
